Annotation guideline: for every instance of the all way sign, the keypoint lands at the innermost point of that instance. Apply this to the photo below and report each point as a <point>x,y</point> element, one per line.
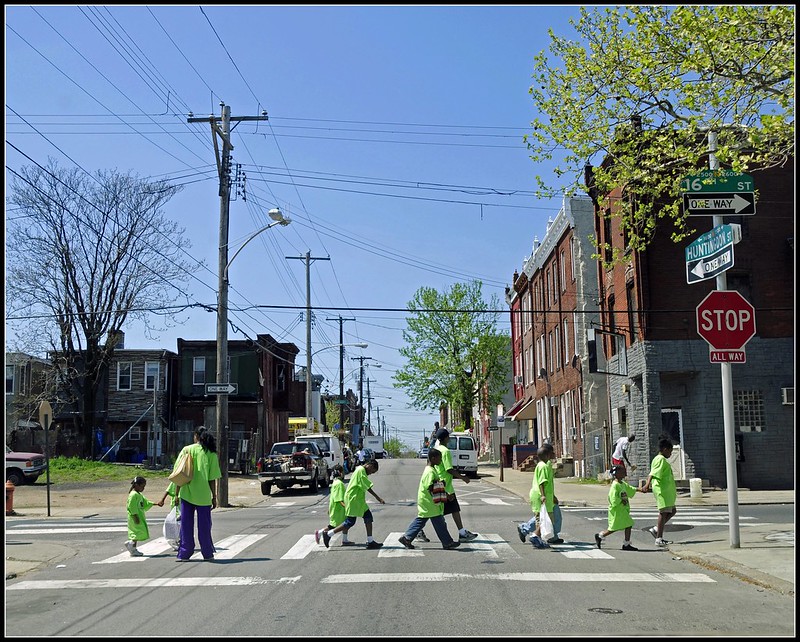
<point>738,204</point>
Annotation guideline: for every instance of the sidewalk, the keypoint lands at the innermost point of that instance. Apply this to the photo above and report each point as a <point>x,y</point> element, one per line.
<point>766,553</point>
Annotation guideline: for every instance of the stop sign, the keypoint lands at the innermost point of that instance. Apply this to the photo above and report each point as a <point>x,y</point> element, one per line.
<point>726,320</point>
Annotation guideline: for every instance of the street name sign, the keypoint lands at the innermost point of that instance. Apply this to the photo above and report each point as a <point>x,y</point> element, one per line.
<point>221,388</point>
<point>711,253</point>
<point>718,192</point>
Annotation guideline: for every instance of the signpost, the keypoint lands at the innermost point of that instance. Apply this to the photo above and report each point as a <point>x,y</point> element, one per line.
<point>711,253</point>
<point>718,192</point>
<point>222,388</point>
<point>727,321</point>
<point>45,416</point>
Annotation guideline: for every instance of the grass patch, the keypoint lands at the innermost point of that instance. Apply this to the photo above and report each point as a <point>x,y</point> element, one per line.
<point>587,481</point>
<point>66,470</point>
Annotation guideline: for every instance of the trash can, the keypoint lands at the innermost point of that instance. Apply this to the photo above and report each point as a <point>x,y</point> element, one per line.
<point>695,488</point>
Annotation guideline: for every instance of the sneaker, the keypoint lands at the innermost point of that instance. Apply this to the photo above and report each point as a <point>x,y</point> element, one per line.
<point>422,537</point>
<point>652,531</point>
<point>326,539</point>
<point>451,546</point>
<point>209,559</point>
<point>660,541</point>
<point>181,559</point>
<point>555,540</point>
<point>136,552</point>
<point>373,545</point>
<point>468,537</point>
<point>598,540</point>
<point>348,543</point>
<point>538,542</point>
<point>629,547</point>
<point>129,546</point>
<point>316,535</point>
<point>521,533</point>
<point>406,542</point>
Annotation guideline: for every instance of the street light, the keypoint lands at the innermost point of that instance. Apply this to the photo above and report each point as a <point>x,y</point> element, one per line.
<point>222,345</point>
<point>309,384</point>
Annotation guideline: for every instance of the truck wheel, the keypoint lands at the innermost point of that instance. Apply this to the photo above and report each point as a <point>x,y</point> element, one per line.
<point>313,486</point>
<point>266,487</point>
<point>15,476</point>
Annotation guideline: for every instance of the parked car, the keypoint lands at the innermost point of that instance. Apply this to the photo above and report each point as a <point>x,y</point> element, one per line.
<point>422,453</point>
<point>294,462</point>
<point>23,467</point>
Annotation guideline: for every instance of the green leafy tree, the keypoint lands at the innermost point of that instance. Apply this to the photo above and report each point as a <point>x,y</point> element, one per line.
<point>641,88</point>
<point>453,351</point>
<point>86,254</point>
<point>394,446</point>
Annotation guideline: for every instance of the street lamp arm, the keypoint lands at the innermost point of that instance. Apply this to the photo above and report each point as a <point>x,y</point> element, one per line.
<point>341,345</point>
<point>282,221</point>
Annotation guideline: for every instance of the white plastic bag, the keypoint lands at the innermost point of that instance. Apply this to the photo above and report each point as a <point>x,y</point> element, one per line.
<point>545,523</point>
<point>172,528</point>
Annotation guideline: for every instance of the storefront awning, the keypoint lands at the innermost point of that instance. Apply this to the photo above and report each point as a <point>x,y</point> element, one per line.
<point>523,409</point>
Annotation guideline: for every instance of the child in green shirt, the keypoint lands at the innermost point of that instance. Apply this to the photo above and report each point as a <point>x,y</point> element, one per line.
<point>336,507</point>
<point>542,492</point>
<point>619,509</point>
<point>428,509</point>
<point>355,504</point>
<point>662,482</point>
<point>137,506</point>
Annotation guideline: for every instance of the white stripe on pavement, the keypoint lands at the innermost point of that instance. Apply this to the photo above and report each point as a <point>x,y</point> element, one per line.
<point>369,578</point>
<point>152,582</point>
<point>230,547</point>
<point>303,547</point>
<point>495,500</point>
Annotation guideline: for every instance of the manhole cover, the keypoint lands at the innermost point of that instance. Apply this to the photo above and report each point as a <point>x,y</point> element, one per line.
<point>602,610</point>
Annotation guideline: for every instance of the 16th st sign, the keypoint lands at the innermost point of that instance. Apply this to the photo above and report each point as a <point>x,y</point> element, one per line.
<point>718,192</point>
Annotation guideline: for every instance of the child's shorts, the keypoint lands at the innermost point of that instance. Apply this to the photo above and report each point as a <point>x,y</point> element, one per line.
<point>350,520</point>
<point>452,506</point>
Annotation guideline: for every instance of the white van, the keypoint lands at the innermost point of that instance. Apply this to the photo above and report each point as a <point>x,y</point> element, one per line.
<point>328,443</point>
<point>464,452</point>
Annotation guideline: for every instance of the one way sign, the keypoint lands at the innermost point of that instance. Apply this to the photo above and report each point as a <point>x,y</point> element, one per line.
<point>719,204</point>
<point>221,388</point>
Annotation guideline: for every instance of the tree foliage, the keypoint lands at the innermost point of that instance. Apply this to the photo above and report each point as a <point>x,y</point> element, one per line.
<point>641,88</point>
<point>84,255</point>
<point>453,350</point>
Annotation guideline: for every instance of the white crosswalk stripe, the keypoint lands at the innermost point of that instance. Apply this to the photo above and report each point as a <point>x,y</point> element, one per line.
<point>518,577</point>
<point>226,549</point>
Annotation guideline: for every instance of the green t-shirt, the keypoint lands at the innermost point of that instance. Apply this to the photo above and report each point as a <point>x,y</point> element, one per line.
<point>619,507</point>
<point>335,506</point>
<point>425,504</point>
<point>663,482</point>
<point>355,496</point>
<point>543,474</point>
<point>138,504</point>
<point>206,469</point>
<point>445,465</point>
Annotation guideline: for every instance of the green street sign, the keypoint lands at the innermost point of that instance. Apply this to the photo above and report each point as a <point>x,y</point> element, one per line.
<point>341,402</point>
<point>717,180</point>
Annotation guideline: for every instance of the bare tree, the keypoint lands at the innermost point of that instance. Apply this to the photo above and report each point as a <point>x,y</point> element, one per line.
<point>84,255</point>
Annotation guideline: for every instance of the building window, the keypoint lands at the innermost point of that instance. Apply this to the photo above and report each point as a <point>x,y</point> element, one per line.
<point>557,352</point>
<point>9,380</point>
<point>609,250</point>
<point>631,304</point>
<point>566,343</point>
<point>563,272</point>
<point>572,257</point>
<point>612,324</point>
<point>748,410</point>
<point>124,375</point>
<point>551,356</point>
<point>151,373</point>
<point>199,371</point>
<point>281,377</point>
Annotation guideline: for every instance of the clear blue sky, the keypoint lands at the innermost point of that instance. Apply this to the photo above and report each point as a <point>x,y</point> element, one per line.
<point>394,142</point>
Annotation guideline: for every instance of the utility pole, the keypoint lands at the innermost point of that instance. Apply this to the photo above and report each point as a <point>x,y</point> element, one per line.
<point>341,367</point>
<point>220,127</point>
<point>308,258</point>
<point>361,392</point>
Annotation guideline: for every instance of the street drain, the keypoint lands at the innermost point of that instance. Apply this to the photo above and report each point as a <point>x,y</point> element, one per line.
<point>608,611</point>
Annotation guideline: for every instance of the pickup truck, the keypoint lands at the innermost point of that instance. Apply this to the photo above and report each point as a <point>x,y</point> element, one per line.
<point>294,462</point>
<point>24,467</point>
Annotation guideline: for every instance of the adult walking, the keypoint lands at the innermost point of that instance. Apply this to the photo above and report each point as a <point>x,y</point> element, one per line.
<point>621,452</point>
<point>199,496</point>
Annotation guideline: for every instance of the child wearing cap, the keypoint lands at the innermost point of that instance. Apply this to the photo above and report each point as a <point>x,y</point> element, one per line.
<point>619,509</point>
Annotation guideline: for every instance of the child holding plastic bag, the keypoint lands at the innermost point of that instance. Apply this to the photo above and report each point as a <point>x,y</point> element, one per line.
<point>172,522</point>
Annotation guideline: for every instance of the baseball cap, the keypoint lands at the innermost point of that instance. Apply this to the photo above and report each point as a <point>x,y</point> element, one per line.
<point>442,433</point>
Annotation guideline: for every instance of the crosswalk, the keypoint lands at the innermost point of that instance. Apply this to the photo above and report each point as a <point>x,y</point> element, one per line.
<point>689,516</point>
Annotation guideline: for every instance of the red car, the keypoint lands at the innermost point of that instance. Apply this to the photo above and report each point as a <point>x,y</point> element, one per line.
<point>24,468</point>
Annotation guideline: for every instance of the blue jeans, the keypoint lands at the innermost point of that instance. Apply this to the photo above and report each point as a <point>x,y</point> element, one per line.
<point>439,525</point>
<point>530,525</point>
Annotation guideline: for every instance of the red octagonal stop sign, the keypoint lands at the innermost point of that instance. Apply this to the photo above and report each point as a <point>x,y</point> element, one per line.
<point>726,320</point>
